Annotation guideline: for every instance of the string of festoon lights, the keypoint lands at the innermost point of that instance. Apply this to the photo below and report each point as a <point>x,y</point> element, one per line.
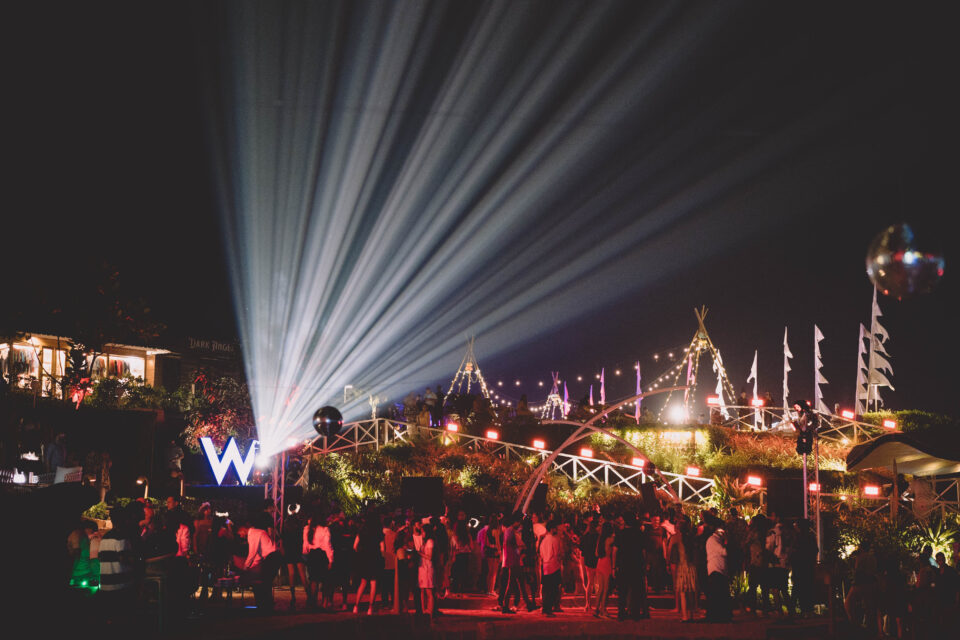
<point>499,397</point>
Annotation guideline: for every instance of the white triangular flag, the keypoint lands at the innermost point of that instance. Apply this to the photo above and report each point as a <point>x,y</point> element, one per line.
<point>861,389</point>
<point>875,308</point>
<point>877,356</point>
<point>818,377</point>
<point>879,379</point>
<point>884,336</point>
<point>879,348</point>
<point>753,376</point>
<point>881,364</point>
<point>786,369</point>
<point>718,368</point>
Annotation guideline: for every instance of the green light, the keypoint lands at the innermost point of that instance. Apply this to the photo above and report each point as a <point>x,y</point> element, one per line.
<point>83,584</point>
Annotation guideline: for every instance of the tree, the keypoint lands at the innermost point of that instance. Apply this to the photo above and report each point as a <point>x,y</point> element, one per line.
<point>219,409</point>
<point>90,310</point>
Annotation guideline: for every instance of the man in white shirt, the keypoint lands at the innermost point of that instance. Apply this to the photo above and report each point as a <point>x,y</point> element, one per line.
<point>550,561</point>
<point>718,576</point>
<point>263,561</point>
<point>387,581</point>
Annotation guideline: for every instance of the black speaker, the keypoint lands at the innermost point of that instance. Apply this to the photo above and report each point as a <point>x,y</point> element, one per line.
<point>785,497</point>
<point>538,503</point>
<point>422,494</point>
<point>648,491</point>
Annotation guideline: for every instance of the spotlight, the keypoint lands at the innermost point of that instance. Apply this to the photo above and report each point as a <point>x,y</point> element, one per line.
<point>579,378</point>
<point>678,415</point>
<point>617,372</point>
<point>890,424</point>
<point>638,462</point>
<point>453,426</point>
<point>849,415</point>
<point>327,421</point>
<point>871,490</point>
<point>713,400</point>
<point>755,481</point>
<point>539,444</point>
<point>813,487</point>
<point>586,452</point>
<point>757,402</point>
<point>517,383</point>
<point>499,383</point>
<point>693,471</point>
<point>492,435</point>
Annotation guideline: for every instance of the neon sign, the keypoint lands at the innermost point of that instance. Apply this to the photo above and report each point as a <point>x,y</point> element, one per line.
<point>231,455</point>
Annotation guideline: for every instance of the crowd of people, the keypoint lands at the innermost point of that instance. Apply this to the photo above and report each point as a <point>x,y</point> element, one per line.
<point>400,561</point>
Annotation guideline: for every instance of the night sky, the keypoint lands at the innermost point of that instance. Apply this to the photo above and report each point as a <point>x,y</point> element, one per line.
<point>109,161</point>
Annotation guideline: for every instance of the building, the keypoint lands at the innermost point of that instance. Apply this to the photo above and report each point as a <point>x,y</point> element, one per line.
<point>38,360</point>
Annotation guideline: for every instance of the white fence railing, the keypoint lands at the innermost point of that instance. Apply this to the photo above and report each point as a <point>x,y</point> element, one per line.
<point>843,431</point>
<point>618,475</point>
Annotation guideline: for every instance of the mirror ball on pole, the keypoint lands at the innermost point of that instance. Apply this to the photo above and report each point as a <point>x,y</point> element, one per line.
<point>327,421</point>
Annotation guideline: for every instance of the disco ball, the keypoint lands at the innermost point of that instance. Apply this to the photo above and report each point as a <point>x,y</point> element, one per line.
<point>897,268</point>
<point>327,421</point>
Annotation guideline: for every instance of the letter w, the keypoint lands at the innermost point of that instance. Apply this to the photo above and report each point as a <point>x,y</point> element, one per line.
<point>231,455</point>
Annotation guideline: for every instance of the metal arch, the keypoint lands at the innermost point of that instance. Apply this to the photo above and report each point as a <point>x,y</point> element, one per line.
<point>526,494</point>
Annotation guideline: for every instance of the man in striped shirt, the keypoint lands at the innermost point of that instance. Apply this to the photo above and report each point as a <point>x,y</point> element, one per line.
<point>118,562</point>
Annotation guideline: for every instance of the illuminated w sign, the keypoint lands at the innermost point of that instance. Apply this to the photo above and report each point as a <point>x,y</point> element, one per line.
<point>231,455</point>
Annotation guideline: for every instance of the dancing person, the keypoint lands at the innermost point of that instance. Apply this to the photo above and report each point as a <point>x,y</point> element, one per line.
<point>492,551</point>
<point>318,551</point>
<point>588,560</point>
<point>511,567</point>
<point>629,570</point>
<point>118,565</point>
<point>756,556</point>
<point>718,577</point>
<point>408,563</point>
<point>291,539</point>
<point>263,561</point>
<point>681,551</point>
<point>604,573</point>
<point>803,565</point>
<point>462,549</point>
<point>550,563</point>
<point>425,572</point>
<point>368,546</point>
<point>388,575</point>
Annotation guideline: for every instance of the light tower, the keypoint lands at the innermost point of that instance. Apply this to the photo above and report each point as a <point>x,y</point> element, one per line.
<point>468,372</point>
